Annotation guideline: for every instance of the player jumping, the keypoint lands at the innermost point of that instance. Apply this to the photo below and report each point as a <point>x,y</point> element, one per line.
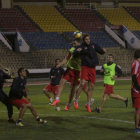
<point>88,71</point>
<point>71,75</point>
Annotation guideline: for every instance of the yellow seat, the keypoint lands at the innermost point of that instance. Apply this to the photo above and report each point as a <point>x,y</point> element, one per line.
<point>48,18</point>
<point>119,16</point>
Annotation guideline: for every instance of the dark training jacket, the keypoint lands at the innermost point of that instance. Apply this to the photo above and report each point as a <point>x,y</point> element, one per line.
<point>88,54</point>
<point>17,90</point>
<point>3,76</point>
<point>57,72</point>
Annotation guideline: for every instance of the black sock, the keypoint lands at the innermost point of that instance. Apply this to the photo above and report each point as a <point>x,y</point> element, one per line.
<point>38,118</point>
<point>19,121</point>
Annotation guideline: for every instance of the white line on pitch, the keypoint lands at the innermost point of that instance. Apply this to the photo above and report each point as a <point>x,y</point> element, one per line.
<point>97,118</point>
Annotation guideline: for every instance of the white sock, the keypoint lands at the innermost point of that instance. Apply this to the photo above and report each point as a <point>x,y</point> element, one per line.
<point>57,98</point>
<point>88,103</point>
<point>51,99</point>
<point>76,100</point>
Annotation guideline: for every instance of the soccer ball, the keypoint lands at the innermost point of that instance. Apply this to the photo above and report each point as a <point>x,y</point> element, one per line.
<point>77,34</point>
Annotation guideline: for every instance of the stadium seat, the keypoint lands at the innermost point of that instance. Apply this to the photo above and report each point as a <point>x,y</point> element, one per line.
<point>48,18</point>
<point>46,40</point>
<point>85,19</point>
<point>13,20</point>
<point>135,11</point>
<point>98,37</point>
<point>119,16</point>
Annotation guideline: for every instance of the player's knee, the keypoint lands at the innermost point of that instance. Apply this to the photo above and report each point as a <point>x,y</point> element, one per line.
<point>91,87</point>
<point>82,85</point>
<point>29,105</point>
<point>62,83</point>
<point>24,106</point>
<point>111,96</point>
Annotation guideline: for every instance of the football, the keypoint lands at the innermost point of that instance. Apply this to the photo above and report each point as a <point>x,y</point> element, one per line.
<point>77,34</point>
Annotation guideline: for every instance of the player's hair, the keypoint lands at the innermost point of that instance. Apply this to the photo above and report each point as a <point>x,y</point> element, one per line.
<point>111,55</point>
<point>20,70</point>
<point>84,36</point>
<point>57,59</point>
<point>77,40</point>
<point>137,54</point>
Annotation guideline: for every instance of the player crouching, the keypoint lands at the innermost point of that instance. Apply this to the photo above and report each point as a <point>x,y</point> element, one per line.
<point>17,91</point>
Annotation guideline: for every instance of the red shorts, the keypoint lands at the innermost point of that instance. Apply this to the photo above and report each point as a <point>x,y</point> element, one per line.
<point>19,102</point>
<point>136,102</point>
<point>72,76</point>
<point>52,88</point>
<point>88,74</point>
<point>108,89</point>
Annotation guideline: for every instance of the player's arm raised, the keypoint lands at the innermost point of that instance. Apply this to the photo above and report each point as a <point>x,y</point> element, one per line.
<point>64,61</point>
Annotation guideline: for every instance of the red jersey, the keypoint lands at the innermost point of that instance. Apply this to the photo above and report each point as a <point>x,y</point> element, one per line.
<point>135,71</point>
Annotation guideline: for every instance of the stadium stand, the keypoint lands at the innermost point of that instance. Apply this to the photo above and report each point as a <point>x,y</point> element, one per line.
<point>14,60</point>
<point>48,18</point>
<point>119,16</point>
<point>84,19</point>
<point>46,40</point>
<point>13,20</point>
<point>99,37</point>
<point>47,57</point>
<point>135,11</point>
<point>137,34</point>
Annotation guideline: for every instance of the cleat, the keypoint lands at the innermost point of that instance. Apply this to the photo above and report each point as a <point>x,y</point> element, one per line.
<point>55,102</point>
<point>126,102</point>
<point>98,110</point>
<point>11,121</point>
<point>76,105</point>
<point>67,107</point>
<point>88,108</point>
<point>137,130</point>
<point>19,124</point>
<point>42,121</point>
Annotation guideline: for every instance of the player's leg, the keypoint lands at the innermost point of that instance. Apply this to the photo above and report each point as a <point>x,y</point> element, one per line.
<point>118,97</point>
<point>60,90</point>
<point>35,114</point>
<point>98,109</point>
<point>23,109</point>
<point>72,93</point>
<point>78,92</point>
<point>91,78</point>
<point>137,120</point>
<point>89,95</point>
<point>47,93</point>
<point>5,100</point>
<point>86,92</point>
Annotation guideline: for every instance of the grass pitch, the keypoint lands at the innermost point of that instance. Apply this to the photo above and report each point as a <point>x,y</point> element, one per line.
<point>115,122</point>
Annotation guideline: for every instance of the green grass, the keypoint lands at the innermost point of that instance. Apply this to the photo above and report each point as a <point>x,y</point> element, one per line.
<point>74,124</point>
